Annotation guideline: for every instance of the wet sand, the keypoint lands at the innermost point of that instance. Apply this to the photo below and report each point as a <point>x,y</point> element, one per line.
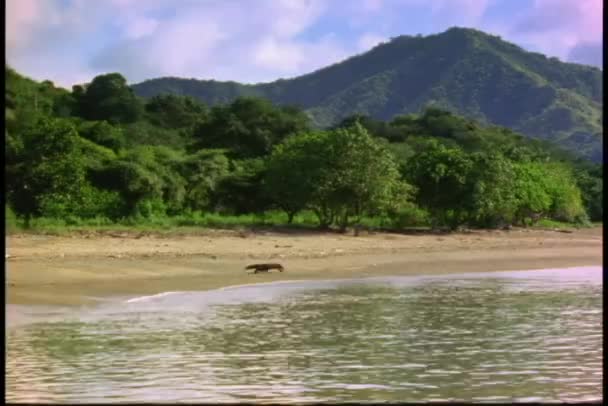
<point>77,269</point>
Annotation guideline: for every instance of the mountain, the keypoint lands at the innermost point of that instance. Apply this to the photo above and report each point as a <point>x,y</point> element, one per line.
<point>463,70</point>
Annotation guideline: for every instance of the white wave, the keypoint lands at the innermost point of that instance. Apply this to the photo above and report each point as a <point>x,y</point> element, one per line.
<point>143,298</point>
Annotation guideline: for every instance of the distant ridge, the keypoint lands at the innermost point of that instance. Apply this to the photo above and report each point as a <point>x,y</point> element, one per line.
<point>463,70</point>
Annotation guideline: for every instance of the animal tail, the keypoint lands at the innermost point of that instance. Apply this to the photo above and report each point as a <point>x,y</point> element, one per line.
<point>250,267</point>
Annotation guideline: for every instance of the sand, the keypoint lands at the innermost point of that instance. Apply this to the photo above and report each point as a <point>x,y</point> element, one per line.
<point>78,269</point>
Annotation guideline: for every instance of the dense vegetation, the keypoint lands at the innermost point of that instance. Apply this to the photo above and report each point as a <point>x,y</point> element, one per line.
<point>461,70</point>
<point>100,152</point>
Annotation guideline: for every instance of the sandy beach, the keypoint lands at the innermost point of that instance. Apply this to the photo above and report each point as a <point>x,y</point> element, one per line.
<point>43,269</point>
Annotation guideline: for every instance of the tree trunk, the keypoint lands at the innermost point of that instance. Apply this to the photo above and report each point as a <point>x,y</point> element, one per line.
<point>324,222</point>
<point>343,222</point>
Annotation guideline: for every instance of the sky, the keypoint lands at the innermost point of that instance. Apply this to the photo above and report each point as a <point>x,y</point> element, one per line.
<point>251,41</point>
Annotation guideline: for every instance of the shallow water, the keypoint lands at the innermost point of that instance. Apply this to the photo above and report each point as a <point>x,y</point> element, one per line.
<point>509,336</point>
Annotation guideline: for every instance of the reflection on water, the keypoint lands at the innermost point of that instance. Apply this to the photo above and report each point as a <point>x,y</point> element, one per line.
<point>528,336</point>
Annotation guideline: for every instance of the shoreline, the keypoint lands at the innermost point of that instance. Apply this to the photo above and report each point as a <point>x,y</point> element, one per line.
<point>63,270</point>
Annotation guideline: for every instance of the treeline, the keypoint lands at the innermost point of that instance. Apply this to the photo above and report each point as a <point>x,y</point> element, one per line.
<point>99,151</point>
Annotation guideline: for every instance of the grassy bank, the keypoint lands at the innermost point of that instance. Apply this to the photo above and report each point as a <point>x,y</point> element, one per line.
<point>192,222</point>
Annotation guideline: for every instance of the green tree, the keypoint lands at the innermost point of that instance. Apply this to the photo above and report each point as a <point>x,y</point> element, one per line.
<point>203,171</point>
<point>492,202</point>
<point>531,191</point>
<point>108,97</point>
<point>340,174</point>
<point>172,111</point>
<point>589,178</point>
<point>48,166</point>
<point>249,127</point>
<point>567,203</point>
<point>241,191</point>
<point>441,176</point>
<point>294,171</point>
<point>163,164</point>
<point>103,133</point>
<point>362,178</point>
<point>547,189</point>
<point>132,181</point>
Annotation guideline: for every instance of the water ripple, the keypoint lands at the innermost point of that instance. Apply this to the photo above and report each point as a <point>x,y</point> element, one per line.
<point>501,338</point>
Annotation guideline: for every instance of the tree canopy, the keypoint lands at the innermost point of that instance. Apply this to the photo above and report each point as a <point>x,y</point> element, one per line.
<point>101,152</point>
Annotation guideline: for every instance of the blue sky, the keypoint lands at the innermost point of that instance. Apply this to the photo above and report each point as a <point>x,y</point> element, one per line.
<point>71,41</point>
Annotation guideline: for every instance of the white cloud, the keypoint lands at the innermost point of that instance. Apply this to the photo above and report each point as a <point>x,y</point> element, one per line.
<point>554,27</point>
<point>270,53</point>
<point>369,40</point>
<point>227,42</point>
<point>220,39</point>
<point>22,17</point>
<point>252,41</point>
<point>290,57</point>
<point>141,27</point>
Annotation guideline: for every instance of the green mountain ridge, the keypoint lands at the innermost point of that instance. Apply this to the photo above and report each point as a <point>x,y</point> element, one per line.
<point>466,71</point>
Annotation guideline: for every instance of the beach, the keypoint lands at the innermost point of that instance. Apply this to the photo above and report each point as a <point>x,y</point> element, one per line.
<point>83,267</point>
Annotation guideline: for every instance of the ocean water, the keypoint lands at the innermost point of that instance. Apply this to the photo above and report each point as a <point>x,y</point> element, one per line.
<point>500,336</point>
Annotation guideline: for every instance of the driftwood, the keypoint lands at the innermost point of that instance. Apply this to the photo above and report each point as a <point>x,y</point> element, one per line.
<point>265,267</point>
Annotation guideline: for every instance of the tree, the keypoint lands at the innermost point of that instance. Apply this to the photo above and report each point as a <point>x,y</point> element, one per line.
<point>134,182</point>
<point>48,166</point>
<point>531,192</point>
<point>172,111</point>
<point>203,171</point>
<point>340,174</point>
<point>441,176</point>
<point>294,170</point>
<point>249,127</point>
<point>567,204</point>
<point>241,191</point>
<point>492,201</point>
<point>363,178</point>
<point>590,181</point>
<point>377,128</point>
<point>108,97</point>
<point>103,133</point>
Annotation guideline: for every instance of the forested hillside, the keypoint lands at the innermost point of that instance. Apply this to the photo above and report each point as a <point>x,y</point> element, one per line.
<point>101,153</point>
<point>461,70</point>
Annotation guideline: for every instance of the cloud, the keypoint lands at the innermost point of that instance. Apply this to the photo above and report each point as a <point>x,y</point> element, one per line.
<point>217,39</point>
<point>557,27</point>
<point>587,54</point>
<point>262,40</point>
<point>221,39</point>
<point>141,27</point>
<point>22,17</point>
<point>369,40</point>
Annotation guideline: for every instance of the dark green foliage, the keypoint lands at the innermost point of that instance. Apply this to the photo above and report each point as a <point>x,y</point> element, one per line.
<point>466,71</point>
<point>590,181</point>
<point>47,166</point>
<point>378,128</point>
<point>171,111</point>
<point>146,133</point>
<point>492,201</point>
<point>249,127</point>
<point>441,177</point>
<point>134,183</point>
<point>341,175</point>
<point>108,98</point>
<point>545,190</point>
<point>103,133</point>
<point>249,157</point>
<point>293,172</point>
<point>241,191</point>
<point>203,171</point>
